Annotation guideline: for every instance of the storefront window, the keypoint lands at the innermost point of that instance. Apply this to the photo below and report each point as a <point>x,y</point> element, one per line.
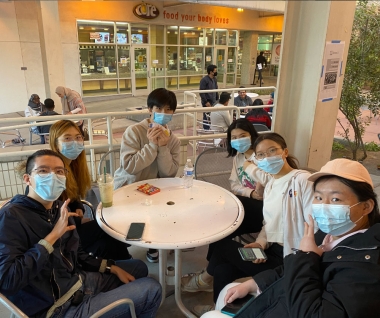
<point>122,33</point>
<point>124,61</point>
<point>221,37</point>
<point>97,32</point>
<point>157,34</point>
<point>191,36</point>
<point>171,35</point>
<point>208,58</point>
<point>172,60</point>
<point>209,37</point>
<point>232,38</point>
<point>139,33</point>
<point>157,57</point>
<point>231,60</point>
<point>113,59</point>
<point>97,61</point>
<point>191,60</point>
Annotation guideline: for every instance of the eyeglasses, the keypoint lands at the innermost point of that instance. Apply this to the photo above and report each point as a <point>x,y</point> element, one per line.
<point>269,153</point>
<point>44,171</point>
<point>78,138</point>
<point>242,92</point>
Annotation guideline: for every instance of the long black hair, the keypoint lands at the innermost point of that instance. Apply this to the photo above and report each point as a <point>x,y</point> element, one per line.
<point>243,124</point>
<point>363,192</point>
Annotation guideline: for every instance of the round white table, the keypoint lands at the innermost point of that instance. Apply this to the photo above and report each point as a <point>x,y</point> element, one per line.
<point>252,95</point>
<point>176,218</point>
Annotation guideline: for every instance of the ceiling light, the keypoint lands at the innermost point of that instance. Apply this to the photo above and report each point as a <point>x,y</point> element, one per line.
<point>105,29</point>
<point>175,32</point>
<point>240,9</point>
<point>184,32</point>
<point>139,31</point>
<point>93,29</point>
<point>81,28</point>
<point>168,32</point>
<point>192,33</point>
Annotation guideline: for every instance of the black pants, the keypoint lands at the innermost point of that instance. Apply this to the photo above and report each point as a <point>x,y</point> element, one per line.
<point>226,264</point>
<point>206,121</point>
<point>252,222</point>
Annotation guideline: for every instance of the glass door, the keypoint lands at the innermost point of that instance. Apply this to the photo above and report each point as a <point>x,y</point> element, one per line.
<point>221,63</point>
<point>140,70</point>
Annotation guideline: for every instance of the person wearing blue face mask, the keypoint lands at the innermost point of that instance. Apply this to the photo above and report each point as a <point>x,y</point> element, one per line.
<point>44,270</point>
<point>339,277</point>
<point>66,139</point>
<point>149,149</point>
<point>288,197</point>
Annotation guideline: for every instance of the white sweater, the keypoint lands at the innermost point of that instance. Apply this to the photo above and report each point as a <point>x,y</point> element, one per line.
<point>143,160</point>
<point>220,119</point>
<point>296,206</point>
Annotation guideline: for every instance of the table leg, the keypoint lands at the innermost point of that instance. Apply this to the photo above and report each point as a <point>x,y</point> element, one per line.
<point>177,278</point>
<point>162,260</point>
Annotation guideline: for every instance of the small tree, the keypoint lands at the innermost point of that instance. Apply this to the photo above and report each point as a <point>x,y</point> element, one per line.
<point>361,84</point>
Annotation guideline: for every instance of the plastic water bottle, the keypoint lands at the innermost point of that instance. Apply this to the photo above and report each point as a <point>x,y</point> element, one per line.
<point>188,173</point>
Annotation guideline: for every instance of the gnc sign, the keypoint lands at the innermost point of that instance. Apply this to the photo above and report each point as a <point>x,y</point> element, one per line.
<point>146,11</point>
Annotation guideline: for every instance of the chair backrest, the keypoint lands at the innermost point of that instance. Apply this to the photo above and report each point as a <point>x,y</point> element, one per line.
<point>14,311</point>
<point>213,166</point>
<point>260,127</point>
<point>109,160</point>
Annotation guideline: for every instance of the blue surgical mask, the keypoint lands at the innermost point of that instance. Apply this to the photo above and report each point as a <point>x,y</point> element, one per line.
<point>241,144</point>
<point>162,118</point>
<point>272,165</point>
<point>49,187</point>
<point>334,219</point>
<point>72,149</point>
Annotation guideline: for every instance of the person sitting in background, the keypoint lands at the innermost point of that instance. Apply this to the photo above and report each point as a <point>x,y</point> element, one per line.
<point>49,111</point>
<point>340,277</point>
<point>35,108</point>
<point>221,119</point>
<point>270,102</point>
<point>242,99</point>
<point>72,103</point>
<point>259,115</point>
<point>44,270</point>
<point>149,149</point>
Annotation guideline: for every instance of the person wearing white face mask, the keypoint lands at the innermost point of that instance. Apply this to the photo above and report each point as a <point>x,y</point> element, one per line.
<point>288,199</point>
<point>44,270</point>
<point>339,278</point>
<point>149,149</point>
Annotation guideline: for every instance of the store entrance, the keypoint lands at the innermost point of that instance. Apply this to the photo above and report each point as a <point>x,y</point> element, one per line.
<point>140,70</point>
<point>221,62</point>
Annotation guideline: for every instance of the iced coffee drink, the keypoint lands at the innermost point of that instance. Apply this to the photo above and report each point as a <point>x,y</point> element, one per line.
<point>105,183</point>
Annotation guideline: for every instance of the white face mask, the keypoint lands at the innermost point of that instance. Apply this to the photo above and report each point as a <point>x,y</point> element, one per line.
<point>334,219</point>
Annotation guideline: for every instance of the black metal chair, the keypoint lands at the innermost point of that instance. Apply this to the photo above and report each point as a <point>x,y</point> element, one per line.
<point>213,166</point>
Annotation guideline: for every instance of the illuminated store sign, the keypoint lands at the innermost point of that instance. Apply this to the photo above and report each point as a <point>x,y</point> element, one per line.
<point>146,11</point>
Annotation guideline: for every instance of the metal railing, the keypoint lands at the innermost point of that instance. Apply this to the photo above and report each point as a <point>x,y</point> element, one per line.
<point>189,109</point>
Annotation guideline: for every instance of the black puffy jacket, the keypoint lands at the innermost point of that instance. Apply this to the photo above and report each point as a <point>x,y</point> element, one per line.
<point>344,282</point>
<point>32,278</point>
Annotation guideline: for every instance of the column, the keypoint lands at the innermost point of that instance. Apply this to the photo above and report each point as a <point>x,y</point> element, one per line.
<point>51,49</point>
<point>248,57</point>
<point>307,124</point>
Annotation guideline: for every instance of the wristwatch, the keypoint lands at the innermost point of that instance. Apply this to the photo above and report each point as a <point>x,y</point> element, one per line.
<point>110,262</point>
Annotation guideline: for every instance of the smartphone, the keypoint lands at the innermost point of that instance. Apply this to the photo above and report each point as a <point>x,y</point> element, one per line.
<point>232,309</point>
<point>135,232</point>
<point>252,253</point>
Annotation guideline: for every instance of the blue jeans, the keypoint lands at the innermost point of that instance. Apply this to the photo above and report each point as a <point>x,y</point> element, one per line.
<point>101,290</point>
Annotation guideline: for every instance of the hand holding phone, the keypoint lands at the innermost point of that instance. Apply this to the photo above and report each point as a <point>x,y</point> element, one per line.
<point>232,309</point>
<point>252,253</point>
<point>135,232</point>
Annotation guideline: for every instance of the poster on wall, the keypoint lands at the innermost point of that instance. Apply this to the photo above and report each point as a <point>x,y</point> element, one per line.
<point>276,50</point>
<point>104,37</point>
<point>331,70</point>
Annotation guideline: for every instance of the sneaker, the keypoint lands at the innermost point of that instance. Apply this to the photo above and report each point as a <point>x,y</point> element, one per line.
<point>190,283</point>
<point>200,310</point>
<point>152,256</point>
